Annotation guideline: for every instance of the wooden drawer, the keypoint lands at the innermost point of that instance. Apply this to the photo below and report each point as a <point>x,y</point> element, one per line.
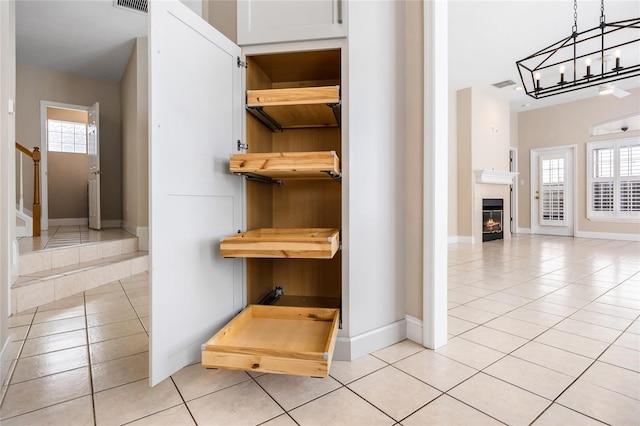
<point>282,243</point>
<point>276,339</point>
<point>296,108</point>
<point>288,165</point>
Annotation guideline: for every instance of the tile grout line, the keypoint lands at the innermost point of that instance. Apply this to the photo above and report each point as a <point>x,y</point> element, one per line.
<point>86,329</point>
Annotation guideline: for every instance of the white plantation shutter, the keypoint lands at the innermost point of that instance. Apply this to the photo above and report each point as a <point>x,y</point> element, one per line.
<point>630,178</point>
<point>613,181</point>
<point>552,191</point>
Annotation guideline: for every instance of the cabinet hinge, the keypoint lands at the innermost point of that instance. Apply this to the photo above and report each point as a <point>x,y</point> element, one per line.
<point>241,64</point>
<point>242,146</point>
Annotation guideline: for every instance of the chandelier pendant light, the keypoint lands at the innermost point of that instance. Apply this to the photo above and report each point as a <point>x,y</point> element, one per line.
<point>596,57</point>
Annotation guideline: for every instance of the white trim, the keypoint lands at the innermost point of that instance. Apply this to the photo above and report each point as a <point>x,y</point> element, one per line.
<point>495,177</point>
<point>142,232</point>
<point>616,215</point>
<point>414,329</point>
<point>44,179</point>
<point>5,363</point>
<point>608,236</point>
<point>350,348</point>
<point>513,207</point>
<point>27,229</point>
<point>462,239</point>
<point>436,163</point>
<point>533,172</point>
<point>82,221</point>
<point>523,231</point>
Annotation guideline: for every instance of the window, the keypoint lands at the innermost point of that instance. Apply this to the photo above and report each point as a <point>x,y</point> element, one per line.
<point>66,136</point>
<point>552,196</point>
<point>613,180</point>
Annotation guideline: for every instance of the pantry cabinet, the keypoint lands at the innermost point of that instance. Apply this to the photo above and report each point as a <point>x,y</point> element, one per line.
<point>273,238</point>
<point>272,21</point>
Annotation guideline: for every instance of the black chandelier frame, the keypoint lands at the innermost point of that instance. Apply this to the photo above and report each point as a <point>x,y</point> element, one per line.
<point>533,66</point>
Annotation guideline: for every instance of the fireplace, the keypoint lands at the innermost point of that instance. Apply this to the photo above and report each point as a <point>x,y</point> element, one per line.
<point>492,218</point>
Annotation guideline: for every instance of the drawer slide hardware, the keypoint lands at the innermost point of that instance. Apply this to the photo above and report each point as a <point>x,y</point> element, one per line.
<point>262,179</point>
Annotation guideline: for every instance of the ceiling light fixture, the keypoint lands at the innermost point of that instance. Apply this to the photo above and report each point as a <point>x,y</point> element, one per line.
<point>584,58</point>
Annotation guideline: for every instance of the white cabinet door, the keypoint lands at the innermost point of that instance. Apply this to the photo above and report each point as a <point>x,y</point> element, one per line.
<point>195,123</point>
<point>270,21</point>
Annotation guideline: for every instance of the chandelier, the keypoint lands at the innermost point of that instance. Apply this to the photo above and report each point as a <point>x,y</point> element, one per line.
<point>596,57</point>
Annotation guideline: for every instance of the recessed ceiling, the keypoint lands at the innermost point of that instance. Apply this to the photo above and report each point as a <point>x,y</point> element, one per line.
<point>486,38</point>
<point>94,38</point>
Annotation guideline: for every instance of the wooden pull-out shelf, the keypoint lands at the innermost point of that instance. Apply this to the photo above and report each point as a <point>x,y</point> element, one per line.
<point>276,339</point>
<point>288,165</point>
<point>296,108</point>
<point>281,243</point>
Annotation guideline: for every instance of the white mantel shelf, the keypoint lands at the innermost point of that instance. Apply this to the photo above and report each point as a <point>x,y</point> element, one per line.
<point>495,177</point>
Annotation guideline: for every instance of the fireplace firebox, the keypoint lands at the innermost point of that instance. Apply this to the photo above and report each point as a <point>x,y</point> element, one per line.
<point>492,217</point>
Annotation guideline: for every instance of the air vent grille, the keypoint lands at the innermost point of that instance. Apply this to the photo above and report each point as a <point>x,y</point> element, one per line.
<point>505,83</point>
<point>139,6</point>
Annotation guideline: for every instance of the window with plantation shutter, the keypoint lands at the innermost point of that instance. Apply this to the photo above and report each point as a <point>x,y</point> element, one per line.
<point>613,180</point>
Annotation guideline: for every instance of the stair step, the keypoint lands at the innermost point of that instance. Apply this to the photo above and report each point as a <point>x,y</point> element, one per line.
<point>49,259</point>
<point>36,288</point>
<point>55,273</point>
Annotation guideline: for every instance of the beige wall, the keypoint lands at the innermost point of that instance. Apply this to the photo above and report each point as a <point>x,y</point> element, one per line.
<point>222,15</point>
<point>35,84</point>
<point>463,120</point>
<point>414,152</point>
<point>490,132</point>
<point>569,124</point>
<point>135,144</point>
<point>483,125</point>
<point>67,174</point>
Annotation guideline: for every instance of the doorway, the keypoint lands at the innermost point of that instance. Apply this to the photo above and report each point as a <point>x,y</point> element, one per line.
<point>553,191</point>
<point>66,151</point>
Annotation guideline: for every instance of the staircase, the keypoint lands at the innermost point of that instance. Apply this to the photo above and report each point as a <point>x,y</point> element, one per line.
<point>53,274</point>
<point>24,223</point>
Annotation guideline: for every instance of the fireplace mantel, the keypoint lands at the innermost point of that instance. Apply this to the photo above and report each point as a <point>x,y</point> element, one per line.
<point>495,177</point>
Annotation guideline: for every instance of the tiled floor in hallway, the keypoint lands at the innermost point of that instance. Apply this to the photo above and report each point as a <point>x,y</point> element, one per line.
<point>68,235</point>
<point>543,330</point>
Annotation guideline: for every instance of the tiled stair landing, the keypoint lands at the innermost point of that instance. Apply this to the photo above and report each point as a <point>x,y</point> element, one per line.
<point>53,274</point>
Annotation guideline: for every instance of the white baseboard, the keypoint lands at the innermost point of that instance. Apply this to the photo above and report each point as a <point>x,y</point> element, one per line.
<point>608,236</point>
<point>142,232</point>
<point>460,239</point>
<point>523,230</point>
<point>350,348</point>
<point>69,221</point>
<point>5,366</point>
<point>129,227</point>
<point>414,329</point>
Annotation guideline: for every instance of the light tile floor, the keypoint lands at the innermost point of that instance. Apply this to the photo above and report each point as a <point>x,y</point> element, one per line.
<point>68,235</point>
<point>543,330</point>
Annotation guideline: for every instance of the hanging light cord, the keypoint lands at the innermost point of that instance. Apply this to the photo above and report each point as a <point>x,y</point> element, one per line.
<point>601,12</point>
<point>575,18</point>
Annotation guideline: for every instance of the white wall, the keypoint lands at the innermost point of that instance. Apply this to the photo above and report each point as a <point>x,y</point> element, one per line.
<point>374,158</point>
<point>7,177</point>
<point>135,143</point>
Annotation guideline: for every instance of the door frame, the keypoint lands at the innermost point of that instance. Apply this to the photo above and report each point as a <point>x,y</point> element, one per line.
<point>513,199</point>
<point>44,179</point>
<point>533,174</point>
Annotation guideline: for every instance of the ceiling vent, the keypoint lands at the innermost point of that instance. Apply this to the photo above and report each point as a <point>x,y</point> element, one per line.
<point>139,6</point>
<point>505,83</point>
